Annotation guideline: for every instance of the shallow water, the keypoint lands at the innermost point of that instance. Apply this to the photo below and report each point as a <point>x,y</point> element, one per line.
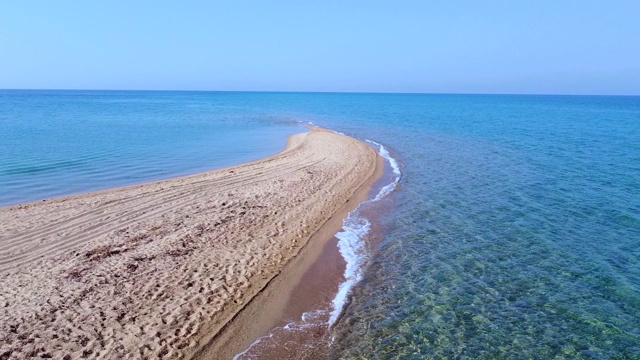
<point>518,233</point>
<point>56,143</point>
<point>516,230</point>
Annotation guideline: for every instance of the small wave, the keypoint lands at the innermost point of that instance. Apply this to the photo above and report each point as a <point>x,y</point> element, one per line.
<point>396,170</point>
<point>351,239</point>
<point>351,246</point>
<point>252,346</point>
<point>385,154</point>
<point>37,169</point>
<point>310,320</point>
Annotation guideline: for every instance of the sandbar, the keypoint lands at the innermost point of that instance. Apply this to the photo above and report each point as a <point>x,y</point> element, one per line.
<point>158,270</point>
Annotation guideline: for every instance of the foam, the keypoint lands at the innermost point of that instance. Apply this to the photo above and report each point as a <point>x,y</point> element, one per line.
<point>309,320</point>
<point>351,246</point>
<point>351,240</point>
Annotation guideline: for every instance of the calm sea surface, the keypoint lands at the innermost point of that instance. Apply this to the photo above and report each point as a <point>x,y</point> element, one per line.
<point>515,229</point>
<point>55,143</point>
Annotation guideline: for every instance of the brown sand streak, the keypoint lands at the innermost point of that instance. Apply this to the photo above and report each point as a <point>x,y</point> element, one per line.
<point>145,271</point>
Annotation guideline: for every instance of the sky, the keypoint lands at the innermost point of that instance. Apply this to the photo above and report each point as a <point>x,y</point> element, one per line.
<point>526,47</point>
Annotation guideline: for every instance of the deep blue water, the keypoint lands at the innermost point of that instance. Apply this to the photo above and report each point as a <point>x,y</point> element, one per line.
<point>514,232</point>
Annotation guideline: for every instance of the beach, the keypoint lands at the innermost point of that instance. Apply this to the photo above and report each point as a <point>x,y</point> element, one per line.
<point>161,269</point>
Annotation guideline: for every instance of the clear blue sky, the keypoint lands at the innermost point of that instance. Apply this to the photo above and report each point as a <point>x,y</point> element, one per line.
<point>510,46</point>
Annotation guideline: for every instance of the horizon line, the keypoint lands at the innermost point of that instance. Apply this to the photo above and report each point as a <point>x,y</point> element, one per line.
<point>318,92</point>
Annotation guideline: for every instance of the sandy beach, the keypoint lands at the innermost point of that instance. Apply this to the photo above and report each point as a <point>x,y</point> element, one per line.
<point>158,270</point>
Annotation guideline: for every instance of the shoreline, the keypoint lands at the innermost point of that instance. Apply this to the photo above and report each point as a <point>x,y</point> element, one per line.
<point>318,300</point>
<point>268,308</point>
<point>166,264</point>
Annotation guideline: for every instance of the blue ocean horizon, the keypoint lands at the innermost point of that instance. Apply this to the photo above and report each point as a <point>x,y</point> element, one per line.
<point>516,226</point>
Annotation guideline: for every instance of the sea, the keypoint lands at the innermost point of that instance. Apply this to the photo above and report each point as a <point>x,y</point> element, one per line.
<point>508,226</point>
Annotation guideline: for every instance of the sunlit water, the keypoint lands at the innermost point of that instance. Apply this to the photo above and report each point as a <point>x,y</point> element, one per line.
<point>516,226</point>
<point>516,235</point>
<point>55,143</point>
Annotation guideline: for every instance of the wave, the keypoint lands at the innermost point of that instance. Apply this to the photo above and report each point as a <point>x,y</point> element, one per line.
<point>351,240</point>
<point>311,321</point>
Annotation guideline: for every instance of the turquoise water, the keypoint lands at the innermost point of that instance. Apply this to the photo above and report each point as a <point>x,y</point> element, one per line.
<point>514,232</point>
<point>56,143</point>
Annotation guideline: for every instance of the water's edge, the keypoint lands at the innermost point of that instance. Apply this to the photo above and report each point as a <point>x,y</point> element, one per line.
<point>351,243</point>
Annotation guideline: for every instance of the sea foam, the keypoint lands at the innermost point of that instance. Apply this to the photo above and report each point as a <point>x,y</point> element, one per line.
<point>351,240</point>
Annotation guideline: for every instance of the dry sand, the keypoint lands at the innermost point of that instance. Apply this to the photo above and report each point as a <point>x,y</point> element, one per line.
<point>157,270</point>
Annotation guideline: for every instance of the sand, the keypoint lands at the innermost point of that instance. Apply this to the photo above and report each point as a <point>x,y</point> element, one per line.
<point>158,270</point>
<point>286,297</point>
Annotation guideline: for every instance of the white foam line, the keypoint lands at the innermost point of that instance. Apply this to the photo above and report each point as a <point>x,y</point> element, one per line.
<point>396,170</point>
<point>351,240</point>
<point>304,323</point>
<point>258,341</point>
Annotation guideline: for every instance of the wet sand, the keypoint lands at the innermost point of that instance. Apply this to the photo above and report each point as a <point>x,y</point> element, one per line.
<point>167,269</point>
